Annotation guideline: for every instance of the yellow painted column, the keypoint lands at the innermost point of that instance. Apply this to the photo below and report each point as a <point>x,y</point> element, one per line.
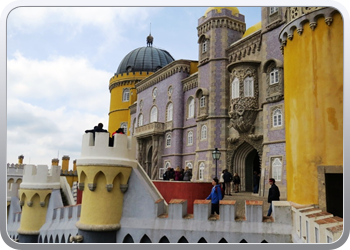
<point>313,82</point>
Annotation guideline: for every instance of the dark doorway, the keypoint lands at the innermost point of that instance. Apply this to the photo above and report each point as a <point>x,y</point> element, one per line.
<point>252,164</point>
<point>149,162</point>
<point>334,194</point>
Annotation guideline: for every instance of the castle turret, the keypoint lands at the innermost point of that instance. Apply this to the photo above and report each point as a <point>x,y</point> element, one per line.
<point>65,163</point>
<point>38,183</point>
<point>103,174</point>
<point>312,44</point>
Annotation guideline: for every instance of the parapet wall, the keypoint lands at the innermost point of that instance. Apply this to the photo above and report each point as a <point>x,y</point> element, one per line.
<point>41,177</point>
<point>98,151</point>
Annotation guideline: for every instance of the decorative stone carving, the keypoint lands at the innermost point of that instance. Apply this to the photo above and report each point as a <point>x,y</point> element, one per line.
<point>232,140</point>
<point>76,239</point>
<point>329,20</point>
<point>29,203</point>
<point>313,25</point>
<point>243,110</point>
<point>255,137</point>
<point>81,186</point>
<point>300,31</point>
<point>21,203</point>
<point>123,187</point>
<point>92,186</point>
<point>109,187</point>
<point>42,204</point>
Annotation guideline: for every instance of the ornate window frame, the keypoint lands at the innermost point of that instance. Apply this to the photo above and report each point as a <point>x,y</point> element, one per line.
<point>235,88</point>
<point>189,164</point>
<point>154,92</point>
<point>202,101</point>
<point>276,167</point>
<point>273,109</point>
<point>248,86</point>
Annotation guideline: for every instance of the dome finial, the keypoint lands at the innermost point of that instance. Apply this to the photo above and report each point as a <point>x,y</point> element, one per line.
<point>149,38</point>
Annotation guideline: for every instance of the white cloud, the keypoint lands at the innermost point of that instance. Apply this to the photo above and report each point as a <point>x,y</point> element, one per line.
<point>50,104</point>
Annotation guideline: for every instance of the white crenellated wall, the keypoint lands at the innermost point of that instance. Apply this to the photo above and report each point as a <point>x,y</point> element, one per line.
<point>41,177</point>
<point>98,151</point>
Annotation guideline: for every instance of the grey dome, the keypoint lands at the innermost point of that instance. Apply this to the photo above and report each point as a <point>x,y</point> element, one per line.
<point>144,59</point>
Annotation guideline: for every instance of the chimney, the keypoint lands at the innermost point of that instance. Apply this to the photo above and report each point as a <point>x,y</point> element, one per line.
<point>65,163</point>
<point>55,162</point>
<point>20,159</point>
<point>74,165</point>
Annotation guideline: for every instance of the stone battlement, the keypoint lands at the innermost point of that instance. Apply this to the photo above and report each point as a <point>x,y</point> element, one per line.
<point>15,169</point>
<point>41,177</point>
<point>99,152</point>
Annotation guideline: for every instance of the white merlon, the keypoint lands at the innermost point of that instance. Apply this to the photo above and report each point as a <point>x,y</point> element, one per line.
<point>41,177</point>
<point>98,151</point>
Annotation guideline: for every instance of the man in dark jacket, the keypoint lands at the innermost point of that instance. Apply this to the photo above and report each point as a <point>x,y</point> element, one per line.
<point>274,194</point>
<point>227,180</point>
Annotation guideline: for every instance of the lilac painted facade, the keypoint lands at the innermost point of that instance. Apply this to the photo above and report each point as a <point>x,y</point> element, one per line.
<point>226,55</point>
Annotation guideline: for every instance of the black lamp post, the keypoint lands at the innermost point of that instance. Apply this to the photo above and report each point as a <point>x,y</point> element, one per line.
<point>216,156</point>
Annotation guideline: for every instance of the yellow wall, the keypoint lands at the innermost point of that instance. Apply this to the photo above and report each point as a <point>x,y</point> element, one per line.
<point>100,207</point>
<point>33,217</point>
<point>119,110</point>
<point>313,64</point>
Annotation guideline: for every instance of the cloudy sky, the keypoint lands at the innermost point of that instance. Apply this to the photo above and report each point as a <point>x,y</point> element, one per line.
<point>60,60</point>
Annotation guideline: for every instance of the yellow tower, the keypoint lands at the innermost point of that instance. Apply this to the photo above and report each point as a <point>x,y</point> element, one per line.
<point>136,65</point>
<point>38,183</point>
<point>103,174</point>
<point>313,77</point>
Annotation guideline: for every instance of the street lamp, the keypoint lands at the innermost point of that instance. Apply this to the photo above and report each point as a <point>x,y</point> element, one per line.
<point>216,156</point>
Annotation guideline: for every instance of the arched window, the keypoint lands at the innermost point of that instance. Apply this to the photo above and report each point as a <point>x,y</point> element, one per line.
<point>154,114</point>
<point>169,113</point>
<point>249,87</point>
<point>124,126</point>
<point>168,140</point>
<point>235,88</point>
<point>189,165</point>
<point>277,118</point>
<point>201,171</point>
<point>204,132</point>
<point>276,169</point>
<point>190,138</point>
<point>140,120</point>
<point>126,95</point>
<point>274,76</point>
<point>190,108</point>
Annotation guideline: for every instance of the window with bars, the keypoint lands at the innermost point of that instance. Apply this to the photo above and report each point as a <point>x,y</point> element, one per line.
<point>277,118</point>
<point>249,87</point>
<point>235,88</point>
